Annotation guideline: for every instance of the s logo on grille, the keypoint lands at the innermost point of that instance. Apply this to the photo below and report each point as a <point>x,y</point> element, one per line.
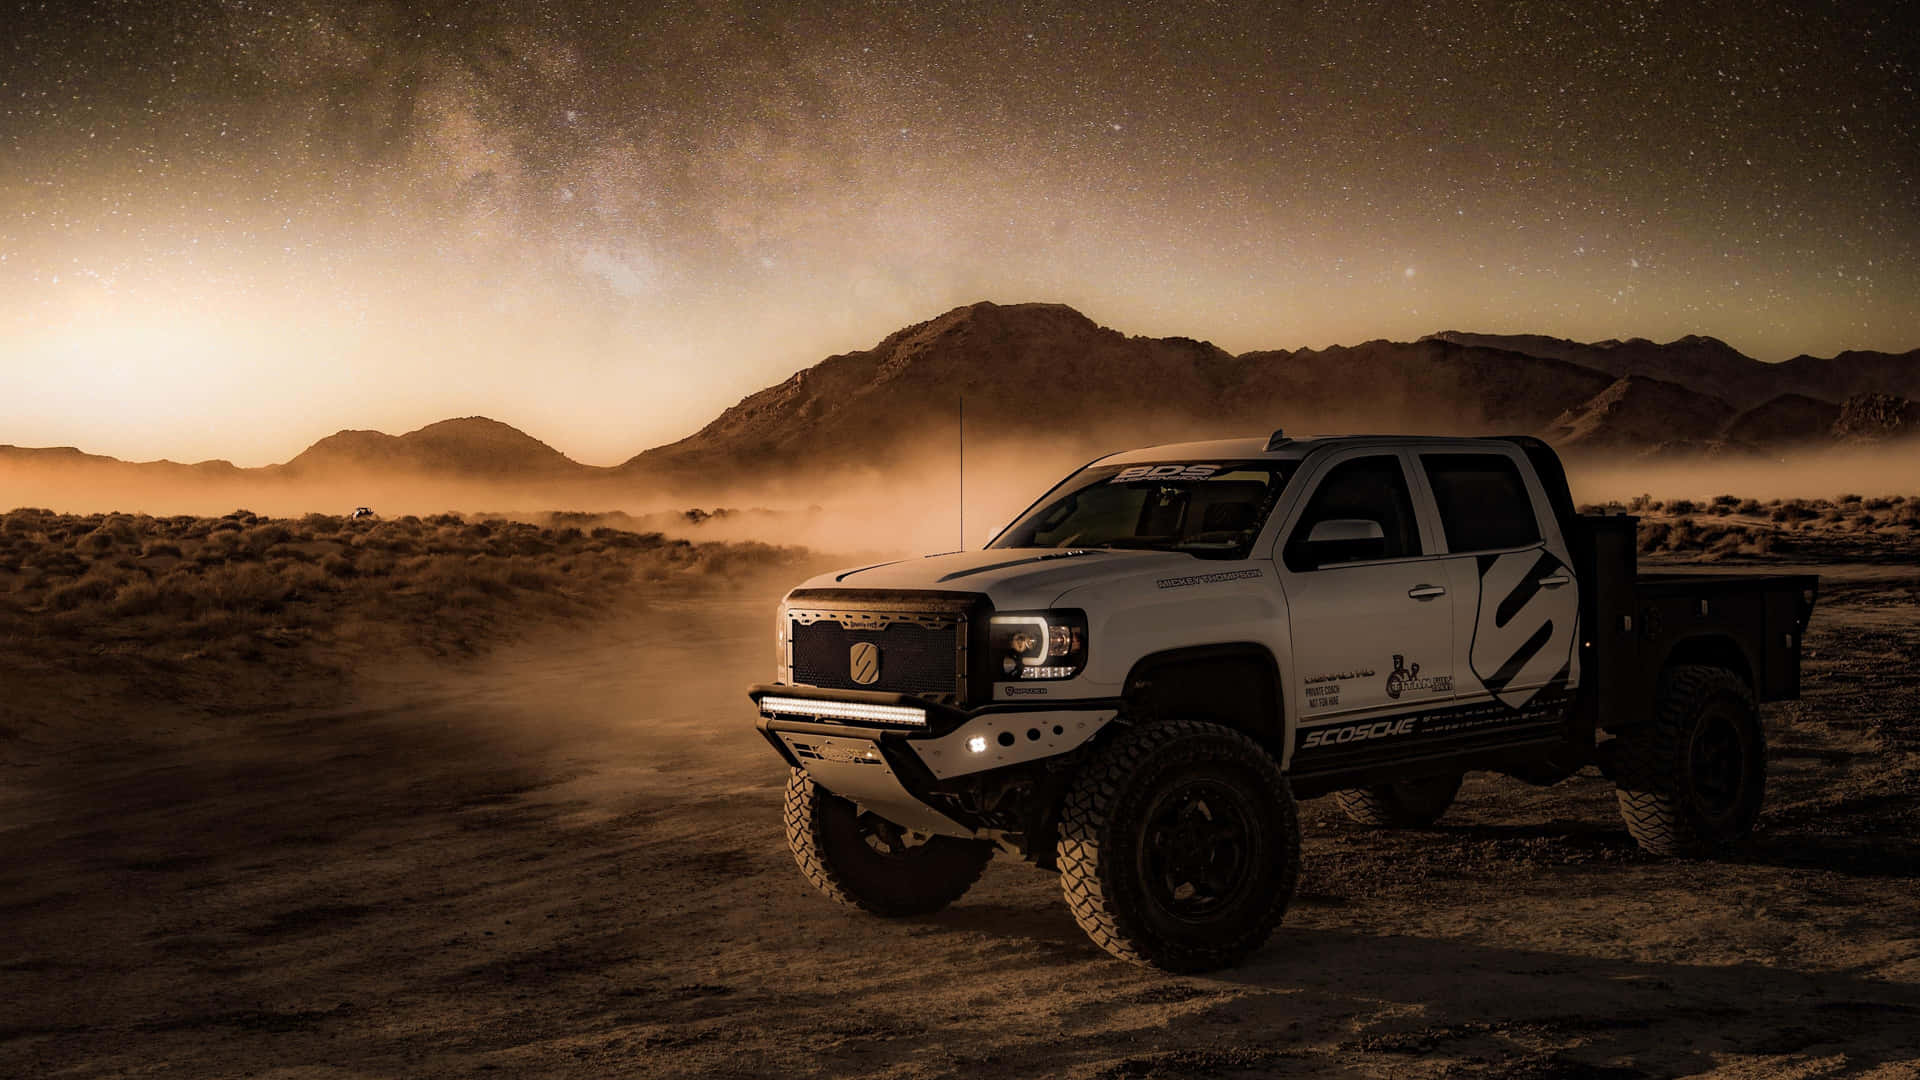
<point>864,663</point>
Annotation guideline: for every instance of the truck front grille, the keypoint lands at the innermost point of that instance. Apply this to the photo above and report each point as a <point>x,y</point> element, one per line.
<point>922,653</point>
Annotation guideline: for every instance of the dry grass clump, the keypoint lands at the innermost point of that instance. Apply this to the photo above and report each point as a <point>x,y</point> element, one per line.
<point>1728,525</point>
<point>188,588</point>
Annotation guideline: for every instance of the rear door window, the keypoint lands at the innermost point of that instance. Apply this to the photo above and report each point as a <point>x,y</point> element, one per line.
<point>1483,501</point>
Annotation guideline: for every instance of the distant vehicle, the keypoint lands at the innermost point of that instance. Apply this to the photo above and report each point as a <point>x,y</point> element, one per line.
<point>1135,680</point>
<point>360,512</point>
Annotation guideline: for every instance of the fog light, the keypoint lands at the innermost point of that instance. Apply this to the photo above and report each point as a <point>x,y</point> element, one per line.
<point>977,744</point>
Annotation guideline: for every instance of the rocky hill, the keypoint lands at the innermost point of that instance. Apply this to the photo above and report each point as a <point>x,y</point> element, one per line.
<point>1047,372</point>
<point>1787,420</point>
<point>1637,414</point>
<point>470,446</point>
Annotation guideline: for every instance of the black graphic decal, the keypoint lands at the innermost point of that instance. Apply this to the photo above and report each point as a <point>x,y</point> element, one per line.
<point>1524,630</point>
<point>1404,677</point>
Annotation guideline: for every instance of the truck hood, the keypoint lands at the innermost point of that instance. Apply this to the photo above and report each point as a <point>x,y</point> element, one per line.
<point>1013,578</point>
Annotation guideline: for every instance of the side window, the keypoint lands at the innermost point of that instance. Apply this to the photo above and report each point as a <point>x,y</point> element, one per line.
<point>1483,502</point>
<point>1365,489</point>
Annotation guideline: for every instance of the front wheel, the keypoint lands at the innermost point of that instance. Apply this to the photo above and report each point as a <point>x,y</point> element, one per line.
<point>1180,846</point>
<point>865,861</point>
<point>1691,780</point>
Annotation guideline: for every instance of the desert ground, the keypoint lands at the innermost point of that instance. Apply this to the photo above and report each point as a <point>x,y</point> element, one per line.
<point>463,803</point>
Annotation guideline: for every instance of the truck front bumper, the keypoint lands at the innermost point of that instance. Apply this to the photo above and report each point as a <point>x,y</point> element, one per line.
<point>887,752</point>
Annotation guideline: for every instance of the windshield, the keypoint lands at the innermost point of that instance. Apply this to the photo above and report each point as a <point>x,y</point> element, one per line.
<point>1209,509</point>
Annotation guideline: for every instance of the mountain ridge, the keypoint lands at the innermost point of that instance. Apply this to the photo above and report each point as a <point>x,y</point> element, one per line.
<point>1047,371</point>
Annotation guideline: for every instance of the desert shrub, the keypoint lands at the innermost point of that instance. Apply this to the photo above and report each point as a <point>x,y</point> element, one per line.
<point>524,543</point>
<point>137,598</point>
<point>225,525</point>
<point>1795,510</point>
<point>97,542</point>
<point>25,520</point>
<point>337,565</point>
<point>1844,499</point>
<point>1719,509</point>
<point>726,559</point>
<point>305,581</point>
<point>446,579</point>
<point>318,524</point>
<point>1680,506</point>
<point>88,591</point>
<point>1726,500</point>
<point>526,575</point>
<point>1866,521</point>
<point>214,624</point>
<point>248,587</point>
<point>1831,516</point>
<point>261,538</point>
<point>375,564</point>
<point>55,560</point>
<point>447,520</point>
<point>620,538</point>
<point>156,548</point>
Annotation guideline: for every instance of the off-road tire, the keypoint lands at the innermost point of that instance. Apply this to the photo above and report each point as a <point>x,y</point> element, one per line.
<point>1113,829</point>
<point>1403,804</point>
<point>1678,790</point>
<point>830,839</point>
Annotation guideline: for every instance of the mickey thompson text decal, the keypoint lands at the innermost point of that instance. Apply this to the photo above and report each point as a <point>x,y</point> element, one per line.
<point>1206,579</point>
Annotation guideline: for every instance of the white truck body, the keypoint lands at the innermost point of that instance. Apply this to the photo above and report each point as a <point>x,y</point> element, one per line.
<point>1361,611</point>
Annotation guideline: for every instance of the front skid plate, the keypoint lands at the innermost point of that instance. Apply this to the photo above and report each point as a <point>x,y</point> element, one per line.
<point>1008,738</point>
<point>854,769</point>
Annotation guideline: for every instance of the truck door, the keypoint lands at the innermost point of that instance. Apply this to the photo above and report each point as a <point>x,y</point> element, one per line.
<point>1517,603</point>
<point>1371,611</point>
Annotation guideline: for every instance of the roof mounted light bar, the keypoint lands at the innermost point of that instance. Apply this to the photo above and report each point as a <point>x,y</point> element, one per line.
<point>857,711</point>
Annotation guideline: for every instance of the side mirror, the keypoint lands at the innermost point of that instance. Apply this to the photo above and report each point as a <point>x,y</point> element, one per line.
<point>1345,531</point>
<point>1338,540</point>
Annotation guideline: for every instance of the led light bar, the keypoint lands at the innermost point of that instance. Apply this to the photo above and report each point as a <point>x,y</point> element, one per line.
<point>845,710</point>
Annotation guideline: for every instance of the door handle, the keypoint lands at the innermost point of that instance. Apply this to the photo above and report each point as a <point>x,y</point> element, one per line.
<point>1554,581</point>
<point>1427,592</point>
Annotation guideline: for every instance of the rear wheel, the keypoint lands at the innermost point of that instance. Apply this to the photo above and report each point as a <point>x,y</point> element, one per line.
<point>865,861</point>
<point>1691,781</point>
<point>1403,804</point>
<point>1180,846</point>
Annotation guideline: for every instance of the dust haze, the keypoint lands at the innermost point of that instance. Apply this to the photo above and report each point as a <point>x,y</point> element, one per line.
<point>921,501</point>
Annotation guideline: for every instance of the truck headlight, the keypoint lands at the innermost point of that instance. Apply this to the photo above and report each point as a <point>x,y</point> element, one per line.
<point>1038,645</point>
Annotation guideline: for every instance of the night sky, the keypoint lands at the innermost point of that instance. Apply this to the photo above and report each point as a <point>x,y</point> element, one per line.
<point>229,229</point>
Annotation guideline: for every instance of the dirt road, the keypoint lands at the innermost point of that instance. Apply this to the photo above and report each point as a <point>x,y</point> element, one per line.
<point>565,860</point>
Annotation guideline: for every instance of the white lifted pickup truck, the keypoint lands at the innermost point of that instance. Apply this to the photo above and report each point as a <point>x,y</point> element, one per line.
<point>1135,680</point>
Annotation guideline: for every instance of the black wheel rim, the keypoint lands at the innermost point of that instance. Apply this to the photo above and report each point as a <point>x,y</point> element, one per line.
<point>1717,760</point>
<point>1197,850</point>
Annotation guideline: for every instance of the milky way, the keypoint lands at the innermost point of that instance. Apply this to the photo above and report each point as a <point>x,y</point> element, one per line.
<point>231,228</point>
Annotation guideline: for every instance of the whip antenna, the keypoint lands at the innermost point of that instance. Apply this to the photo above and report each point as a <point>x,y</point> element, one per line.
<point>963,472</point>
